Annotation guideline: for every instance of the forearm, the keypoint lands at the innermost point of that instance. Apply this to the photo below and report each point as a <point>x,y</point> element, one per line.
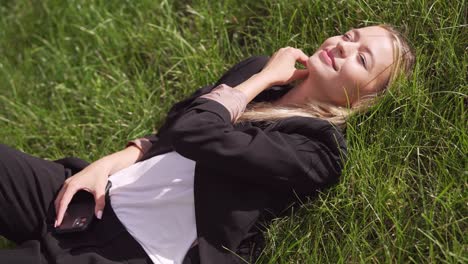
<point>117,161</point>
<point>279,70</point>
<point>235,99</point>
<point>235,102</point>
<point>254,85</point>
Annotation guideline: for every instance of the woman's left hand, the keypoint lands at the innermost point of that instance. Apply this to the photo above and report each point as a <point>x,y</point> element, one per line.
<point>281,69</point>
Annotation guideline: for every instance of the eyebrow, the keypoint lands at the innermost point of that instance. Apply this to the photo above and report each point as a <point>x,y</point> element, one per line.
<point>358,35</point>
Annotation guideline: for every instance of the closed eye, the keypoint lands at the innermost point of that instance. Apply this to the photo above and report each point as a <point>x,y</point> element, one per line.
<point>347,36</point>
<point>363,61</point>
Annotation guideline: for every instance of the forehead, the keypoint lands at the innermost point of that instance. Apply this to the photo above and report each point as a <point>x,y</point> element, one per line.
<point>380,43</point>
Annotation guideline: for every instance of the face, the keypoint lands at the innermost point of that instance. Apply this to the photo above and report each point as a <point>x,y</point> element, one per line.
<point>347,67</point>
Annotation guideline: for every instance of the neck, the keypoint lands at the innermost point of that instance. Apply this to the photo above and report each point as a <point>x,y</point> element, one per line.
<point>300,94</point>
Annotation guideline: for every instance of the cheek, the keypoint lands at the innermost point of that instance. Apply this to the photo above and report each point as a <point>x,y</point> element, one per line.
<point>331,88</point>
<point>354,81</point>
<point>330,42</point>
<point>343,88</point>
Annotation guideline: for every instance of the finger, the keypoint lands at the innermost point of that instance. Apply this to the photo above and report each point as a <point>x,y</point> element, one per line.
<point>303,61</point>
<point>302,57</point>
<point>58,199</point>
<point>100,199</point>
<point>64,201</point>
<point>299,74</point>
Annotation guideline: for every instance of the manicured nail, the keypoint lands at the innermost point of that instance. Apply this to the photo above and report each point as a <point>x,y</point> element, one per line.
<point>55,224</point>
<point>99,214</point>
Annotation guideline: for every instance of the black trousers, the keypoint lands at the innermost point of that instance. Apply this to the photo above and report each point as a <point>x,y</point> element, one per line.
<point>28,186</point>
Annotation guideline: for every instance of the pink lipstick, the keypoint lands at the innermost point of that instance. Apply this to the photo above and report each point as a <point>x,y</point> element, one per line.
<point>328,58</point>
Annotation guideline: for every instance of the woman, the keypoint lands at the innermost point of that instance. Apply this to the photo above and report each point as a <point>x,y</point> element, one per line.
<point>200,190</point>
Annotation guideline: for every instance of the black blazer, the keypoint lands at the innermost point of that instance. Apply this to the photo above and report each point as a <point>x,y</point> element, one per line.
<point>245,170</point>
<point>250,172</point>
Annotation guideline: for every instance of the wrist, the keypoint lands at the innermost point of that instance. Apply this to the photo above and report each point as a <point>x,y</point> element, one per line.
<point>121,159</point>
<point>104,165</point>
<point>263,79</point>
<point>254,85</point>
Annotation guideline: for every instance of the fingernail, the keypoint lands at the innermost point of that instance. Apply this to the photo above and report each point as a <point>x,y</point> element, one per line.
<point>99,214</point>
<point>55,224</point>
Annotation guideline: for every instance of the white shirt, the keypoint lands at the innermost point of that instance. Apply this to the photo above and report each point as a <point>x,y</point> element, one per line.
<point>154,201</point>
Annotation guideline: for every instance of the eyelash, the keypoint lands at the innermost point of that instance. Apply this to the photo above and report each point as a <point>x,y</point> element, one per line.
<point>363,60</point>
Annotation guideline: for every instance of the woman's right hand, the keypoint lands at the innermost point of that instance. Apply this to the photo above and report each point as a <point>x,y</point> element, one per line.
<point>93,179</point>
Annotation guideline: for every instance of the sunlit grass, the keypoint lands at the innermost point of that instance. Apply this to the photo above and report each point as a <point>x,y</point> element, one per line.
<point>80,78</point>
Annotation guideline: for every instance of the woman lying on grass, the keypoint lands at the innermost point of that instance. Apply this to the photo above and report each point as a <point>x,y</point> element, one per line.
<point>227,160</point>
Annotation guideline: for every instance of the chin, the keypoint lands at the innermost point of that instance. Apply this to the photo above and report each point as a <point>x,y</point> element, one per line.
<point>314,61</point>
<point>316,65</point>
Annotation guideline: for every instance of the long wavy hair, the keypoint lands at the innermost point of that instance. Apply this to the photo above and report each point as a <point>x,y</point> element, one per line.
<point>403,63</point>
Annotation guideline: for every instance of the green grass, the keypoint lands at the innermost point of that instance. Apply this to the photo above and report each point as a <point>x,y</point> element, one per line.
<point>81,78</point>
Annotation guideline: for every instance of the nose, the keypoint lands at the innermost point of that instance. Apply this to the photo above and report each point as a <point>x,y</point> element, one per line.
<point>345,48</point>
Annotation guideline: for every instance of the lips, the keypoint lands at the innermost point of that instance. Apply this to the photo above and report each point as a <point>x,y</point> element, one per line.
<point>329,59</point>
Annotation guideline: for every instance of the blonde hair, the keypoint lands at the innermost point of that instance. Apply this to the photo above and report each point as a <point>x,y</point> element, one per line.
<point>403,62</point>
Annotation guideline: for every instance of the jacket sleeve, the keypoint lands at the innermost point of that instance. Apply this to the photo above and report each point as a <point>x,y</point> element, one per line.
<point>233,100</point>
<point>204,133</point>
<point>235,75</point>
<point>144,143</point>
